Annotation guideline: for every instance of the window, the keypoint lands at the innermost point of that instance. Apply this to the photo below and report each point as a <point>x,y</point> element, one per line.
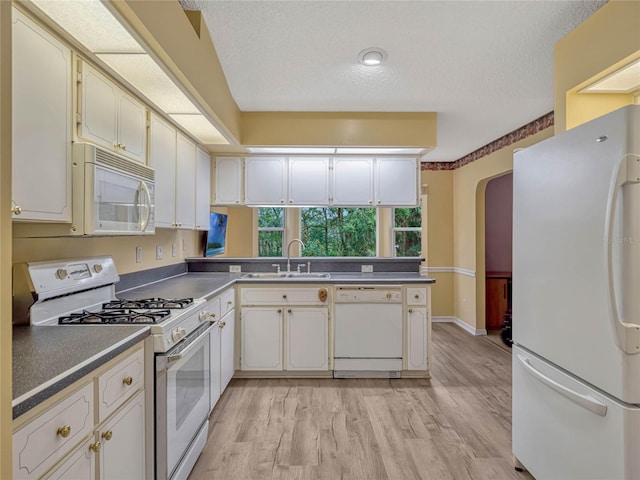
<point>270,231</point>
<point>407,232</point>
<point>338,232</point>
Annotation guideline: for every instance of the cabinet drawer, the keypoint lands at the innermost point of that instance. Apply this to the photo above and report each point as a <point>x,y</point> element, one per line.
<point>119,383</point>
<point>284,296</point>
<point>416,296</point>
<point>227,301</point>
<point>45,440</point>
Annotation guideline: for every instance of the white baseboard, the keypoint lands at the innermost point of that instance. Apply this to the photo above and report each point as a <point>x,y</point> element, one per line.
<point>461,324</point>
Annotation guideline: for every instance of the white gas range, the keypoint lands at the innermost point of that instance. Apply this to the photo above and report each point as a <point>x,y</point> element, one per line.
<point>82,292</point>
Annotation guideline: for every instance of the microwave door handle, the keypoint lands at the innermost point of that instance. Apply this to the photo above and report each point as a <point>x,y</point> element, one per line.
<point>147,205</point>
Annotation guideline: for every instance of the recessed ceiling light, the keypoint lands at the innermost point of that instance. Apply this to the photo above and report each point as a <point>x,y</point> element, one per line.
<point>372,56</point>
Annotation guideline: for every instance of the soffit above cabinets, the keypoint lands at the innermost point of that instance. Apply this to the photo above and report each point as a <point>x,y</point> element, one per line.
<point>97,29</point>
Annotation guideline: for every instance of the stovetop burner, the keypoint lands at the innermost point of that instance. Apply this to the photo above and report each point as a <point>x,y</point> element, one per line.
<point>149,303</point>
<point>117,316</point>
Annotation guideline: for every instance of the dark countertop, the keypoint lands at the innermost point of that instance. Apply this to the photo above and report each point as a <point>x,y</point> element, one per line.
<point>47,359</point>
<point>208,285</point>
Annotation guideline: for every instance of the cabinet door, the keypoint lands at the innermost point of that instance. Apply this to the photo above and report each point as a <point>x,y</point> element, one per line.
<point>185,183</point>
<point>99,109</point>
<point>417,331</point>
<point>228,181</point>
<point>41,123</point>
<point>261,335</point>
<point>214,365</point>
<point>496,302</point>
<point>122,454</point>
<point>265,181</point>
<point>307,339</point>
<point>81,464</point>
<point>132,128</point>
<point>352,181</point>
<point>203,189</point>
<point>308,181</point>
<point>162,157</point>
<point>227,349</point>
<point>396,181</point>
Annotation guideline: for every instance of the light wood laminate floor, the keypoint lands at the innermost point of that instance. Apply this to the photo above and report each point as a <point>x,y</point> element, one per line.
<point>455,426</point>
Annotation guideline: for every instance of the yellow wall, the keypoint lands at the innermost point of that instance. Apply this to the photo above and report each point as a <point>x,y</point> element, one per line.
<point>5,241</point>
<point>123,249</point>
<point>469,184</point>
<point>604,42</point>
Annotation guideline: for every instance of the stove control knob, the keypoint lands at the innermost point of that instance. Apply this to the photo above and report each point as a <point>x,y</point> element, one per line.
<point>97,268</point>
<point>204,315</point>
<point>61,273</point>
<point>178,334</point>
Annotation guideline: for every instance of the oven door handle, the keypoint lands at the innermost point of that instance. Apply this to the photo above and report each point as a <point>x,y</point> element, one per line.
<point>192,344</point>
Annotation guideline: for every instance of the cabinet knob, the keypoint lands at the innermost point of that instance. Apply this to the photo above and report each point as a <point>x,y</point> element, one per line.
<point>281,200</point>
<point>237,201</point>
<point>107,435</point>
<point>284,296</point>
<point>95,446</point>
<point>290,201</point>
<point>16,209</point>
<point>124,147</point>
<point>289,311</point>
<point>222,324</point>
<point>417,296</point>
<point>279,310</point>
<point>411,310</point>
<point>64,431</point>
<point>370,202</point>
<point>127,381</point>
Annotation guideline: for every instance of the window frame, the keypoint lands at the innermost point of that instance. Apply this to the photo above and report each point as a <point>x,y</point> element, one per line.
<point>282,229</point>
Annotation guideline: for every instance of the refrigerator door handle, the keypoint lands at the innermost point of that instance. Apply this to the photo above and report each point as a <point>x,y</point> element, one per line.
<point>585,401</point>
<point>628,173</point>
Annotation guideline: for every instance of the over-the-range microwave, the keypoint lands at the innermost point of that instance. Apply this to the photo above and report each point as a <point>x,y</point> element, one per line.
<point>112,195</point>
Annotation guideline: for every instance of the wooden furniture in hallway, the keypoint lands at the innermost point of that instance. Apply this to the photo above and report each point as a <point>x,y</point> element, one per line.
<point>455,426</point>
<point>498,298</point>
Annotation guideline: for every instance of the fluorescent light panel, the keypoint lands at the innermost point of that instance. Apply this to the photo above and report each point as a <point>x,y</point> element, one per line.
<point>95,27</point>
<point>336,150</point>
<point>625,80</point>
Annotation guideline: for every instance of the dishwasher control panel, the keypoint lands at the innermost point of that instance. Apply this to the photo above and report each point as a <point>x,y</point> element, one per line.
<point>368,294</point>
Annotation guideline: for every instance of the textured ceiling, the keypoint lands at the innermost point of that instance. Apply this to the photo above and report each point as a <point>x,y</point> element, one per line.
<point>486,67</point>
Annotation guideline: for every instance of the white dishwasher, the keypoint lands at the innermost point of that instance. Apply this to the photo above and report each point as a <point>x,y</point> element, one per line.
<point>368,331</point>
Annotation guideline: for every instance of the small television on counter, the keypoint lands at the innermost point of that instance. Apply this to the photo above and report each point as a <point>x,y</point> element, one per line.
<point>217,234</point>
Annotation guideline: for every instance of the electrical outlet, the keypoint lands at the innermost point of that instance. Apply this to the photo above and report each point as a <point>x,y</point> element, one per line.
<point>174,250</point>
<point>366,268</point>
<point>235,268</point>
<point>158,252</point>
<point>138,254</point>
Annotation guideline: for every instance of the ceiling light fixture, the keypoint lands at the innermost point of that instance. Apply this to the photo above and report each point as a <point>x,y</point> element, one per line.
<point>372,56</point>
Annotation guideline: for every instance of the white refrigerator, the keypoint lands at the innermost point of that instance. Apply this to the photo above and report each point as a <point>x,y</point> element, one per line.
<point>576,302</point>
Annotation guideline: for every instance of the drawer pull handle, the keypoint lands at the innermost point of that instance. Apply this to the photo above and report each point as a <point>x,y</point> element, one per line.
<point>64,431</point>
<point>107,435</point>
<point>127,381</point>
<point>95,446</point>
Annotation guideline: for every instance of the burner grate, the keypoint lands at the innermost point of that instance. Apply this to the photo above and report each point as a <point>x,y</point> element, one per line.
<point>112,317</point>
<point>174,303</point>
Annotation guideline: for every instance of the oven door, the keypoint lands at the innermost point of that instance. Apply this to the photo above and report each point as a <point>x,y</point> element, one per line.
<point>182,398</point>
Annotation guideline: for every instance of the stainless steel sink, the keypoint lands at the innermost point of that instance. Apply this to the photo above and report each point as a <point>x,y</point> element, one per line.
<point>291,275</point>
<point>308,275</point>
<point>266,275</point>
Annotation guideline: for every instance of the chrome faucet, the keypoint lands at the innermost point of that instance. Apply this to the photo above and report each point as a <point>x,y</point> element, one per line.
<point>289,250</point>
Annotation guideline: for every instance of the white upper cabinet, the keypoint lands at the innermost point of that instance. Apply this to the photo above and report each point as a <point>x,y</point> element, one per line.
<point>203,188</point>
<point>41,186</point>
<point>162,158</point>
<point>352,181</point>
<point>186,183</point>
<point>110,117</point>
<point>228,181</point>
<point>308,181</point>
<point>265,181</point>
<point>396,181</point>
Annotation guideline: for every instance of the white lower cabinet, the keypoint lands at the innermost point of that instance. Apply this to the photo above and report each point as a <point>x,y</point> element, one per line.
<point>284,328</point>
<point>64,439</point>
<point>261,334</point>
<point>307,339</point>
<point>122,446</point>
<point>221,309</point>
<point>417,327</point>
